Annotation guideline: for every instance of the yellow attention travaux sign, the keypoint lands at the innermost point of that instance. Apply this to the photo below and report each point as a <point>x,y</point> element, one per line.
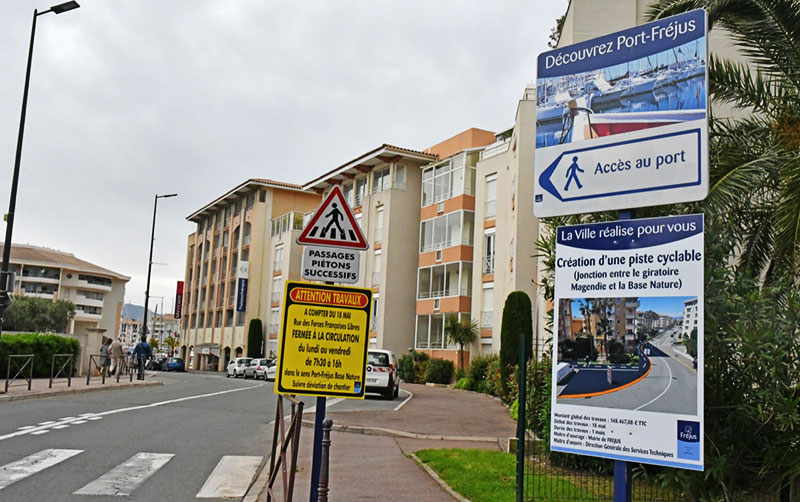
<point>324,340</point>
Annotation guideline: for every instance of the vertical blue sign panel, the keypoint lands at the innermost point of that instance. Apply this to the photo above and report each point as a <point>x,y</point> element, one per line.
<point>241,295</point>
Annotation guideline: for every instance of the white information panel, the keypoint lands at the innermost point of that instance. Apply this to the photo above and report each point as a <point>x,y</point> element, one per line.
<point>628,376</point>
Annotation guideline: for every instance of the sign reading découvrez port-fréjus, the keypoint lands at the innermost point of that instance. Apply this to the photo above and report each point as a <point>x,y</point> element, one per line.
<point>621,120</point>
<point>324,340</point>
<point>628,378</point>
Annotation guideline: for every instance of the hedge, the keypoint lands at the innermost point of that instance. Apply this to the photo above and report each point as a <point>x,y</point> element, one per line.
<point>41,346</point>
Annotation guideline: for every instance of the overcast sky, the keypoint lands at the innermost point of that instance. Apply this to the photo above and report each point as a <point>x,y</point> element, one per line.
<point>130,98</point>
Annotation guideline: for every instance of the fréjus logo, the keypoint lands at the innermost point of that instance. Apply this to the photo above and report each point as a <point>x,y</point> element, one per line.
<point>688,431</point>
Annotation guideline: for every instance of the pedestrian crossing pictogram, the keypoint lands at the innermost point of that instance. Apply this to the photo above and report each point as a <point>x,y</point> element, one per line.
<point>333,225</point>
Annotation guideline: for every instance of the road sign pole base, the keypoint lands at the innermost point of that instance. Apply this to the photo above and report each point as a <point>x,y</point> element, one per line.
<point>317,451</point>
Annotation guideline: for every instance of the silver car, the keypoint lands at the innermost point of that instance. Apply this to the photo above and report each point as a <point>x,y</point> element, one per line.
<point>258,369</point>
<point>237,366</point>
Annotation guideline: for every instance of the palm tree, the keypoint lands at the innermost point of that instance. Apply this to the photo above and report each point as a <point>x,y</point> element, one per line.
<point>462,332</point>
<point>171,343</point>
<point>755,171</point>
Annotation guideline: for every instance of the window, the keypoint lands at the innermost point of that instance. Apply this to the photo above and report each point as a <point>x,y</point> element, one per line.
<point>246,237</point>
<point>488,253</point>
<point>238,206</point>
<point>376,268</point>
<point>277,264</point>
<point>276,289</point>
<point>491,197</point>
<point>374,322</point>
<point>379,224</point>
<point>380,180</point>
<point>361,190</point>
<point>262,196</point>
<point>447,179</point>
<point>347,191</point>
<point>446,230</point>
<point>228,318</point>
<point>251,199</point>
<point>451,279</point>
<point>91,279</point>
<point>487,305</point>
<point>430,330</point>
<point>400,176</point>
<point>274,320</point>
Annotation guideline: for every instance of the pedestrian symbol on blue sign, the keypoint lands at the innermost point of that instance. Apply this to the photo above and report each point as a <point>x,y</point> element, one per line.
<point>572,174</point>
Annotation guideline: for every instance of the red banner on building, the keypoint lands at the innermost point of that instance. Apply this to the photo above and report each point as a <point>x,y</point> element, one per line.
<point>179,300</point>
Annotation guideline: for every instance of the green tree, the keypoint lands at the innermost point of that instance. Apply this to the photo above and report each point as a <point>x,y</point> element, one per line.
<point>171,343</point>
<point>255,337</point>
<point>38,315</point>
<point>517,321</point>
<point>154,344</point>
<point>755,175</point>
<point>462,333</point>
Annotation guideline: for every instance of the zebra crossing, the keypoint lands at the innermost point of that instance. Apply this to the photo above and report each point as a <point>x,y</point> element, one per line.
<point>230,478</point>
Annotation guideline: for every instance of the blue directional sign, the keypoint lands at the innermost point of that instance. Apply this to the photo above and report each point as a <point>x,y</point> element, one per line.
<point>621,120</point>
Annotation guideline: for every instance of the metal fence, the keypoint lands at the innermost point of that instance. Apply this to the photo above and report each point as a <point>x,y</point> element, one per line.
<point>563,477</point>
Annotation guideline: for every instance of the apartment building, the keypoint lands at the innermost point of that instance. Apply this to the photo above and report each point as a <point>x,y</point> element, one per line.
<point>383,187</point>
<point>96,292</point>
<point>246,234</point>
<point>130,331</point>
<point>626,322</point>
<point>505,227</point>
<point>690,314</point>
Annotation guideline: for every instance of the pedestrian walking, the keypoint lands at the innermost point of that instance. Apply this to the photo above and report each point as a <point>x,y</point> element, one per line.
<point>116,356</point>
<point>142,352</point>
<point>105,361</point>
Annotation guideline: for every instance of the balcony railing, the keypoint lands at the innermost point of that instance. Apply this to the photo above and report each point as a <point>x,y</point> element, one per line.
<point>287,222</point>
<point>486,319</point>
<point>246,240</point>
<point>495,149</point>
<point>358,200</point>
<point>373,324</point>
<point>276,296</point>
<point>277,267</point>
<point>376,278</point>
<point>387,185</point>
<point>490,210</point>
<point>378,234</point>
<point>488,264</point>
<point>443,293</point>
<point>273,328</point>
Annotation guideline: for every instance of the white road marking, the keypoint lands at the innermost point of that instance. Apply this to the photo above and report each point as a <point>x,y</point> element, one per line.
<point>21,469</point>
<point>669,384</point>
<point>67,418</point>
<point>126,477</point>
<point>24,427</point>
<point>231,477</point>
<point>59,427</point>
<point>410,395</point>
<point>39,433</point>
<point>43,427</point>
<point>77,422</point>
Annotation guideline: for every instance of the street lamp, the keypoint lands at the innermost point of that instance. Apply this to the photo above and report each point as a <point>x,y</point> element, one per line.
<point>150,262</point>
<point>5,300</point>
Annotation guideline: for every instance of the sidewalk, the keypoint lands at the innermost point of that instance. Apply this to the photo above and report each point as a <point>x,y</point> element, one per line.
<point>370,449</point>
<point>39,386</point>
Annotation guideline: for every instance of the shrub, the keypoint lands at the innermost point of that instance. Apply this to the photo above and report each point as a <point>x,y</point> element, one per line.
<point>465,383</point>
<point>410,367</point>
<point>517,321</point>
<point>41,346</point>
<point>439,371</point>
<point>255,336</point>
<point>491,383</point>
<point>616,352</point>
<point>479,366</point>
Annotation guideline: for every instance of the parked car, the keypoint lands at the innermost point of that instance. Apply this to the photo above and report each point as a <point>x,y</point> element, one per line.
<point>257,368</point>
<point>174,364</point>
<point>272,368</point>
<point>236,367</point>
<point>155,363</point>
<point>382,374</point>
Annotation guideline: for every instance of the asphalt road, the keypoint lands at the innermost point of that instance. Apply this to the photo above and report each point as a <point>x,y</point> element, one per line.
<point>197,435</point>
<point>670,387</point>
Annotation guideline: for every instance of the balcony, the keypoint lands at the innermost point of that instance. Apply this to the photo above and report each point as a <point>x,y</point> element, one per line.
<point>378,234</point>
<point>276,296</point>
<point>488,264</point>
<point>277,268</point>
<point>376,278</point>
<point>359,200</point>
<point>273,328</point>
<point>246,240</point>
<point>388,185</point>
<point>490,209</point>
<point>486,319</point>
<point>286,223</point>
<point>373,323</point>
<point>495,148</point>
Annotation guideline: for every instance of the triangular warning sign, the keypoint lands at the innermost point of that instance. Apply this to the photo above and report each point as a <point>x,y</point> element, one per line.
<point>333,225</point>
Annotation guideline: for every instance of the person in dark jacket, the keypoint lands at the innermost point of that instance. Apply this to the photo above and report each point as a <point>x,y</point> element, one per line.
<point>142,352</point>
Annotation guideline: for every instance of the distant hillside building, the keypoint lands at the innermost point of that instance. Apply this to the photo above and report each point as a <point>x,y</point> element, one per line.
<point>97,292</point>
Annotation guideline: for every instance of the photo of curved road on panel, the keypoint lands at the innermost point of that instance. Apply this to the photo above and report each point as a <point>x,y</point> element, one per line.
<point>670,385</point>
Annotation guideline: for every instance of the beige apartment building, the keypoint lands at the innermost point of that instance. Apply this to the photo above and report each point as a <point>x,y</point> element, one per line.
<point>383,187</point>
<point>246,233</point>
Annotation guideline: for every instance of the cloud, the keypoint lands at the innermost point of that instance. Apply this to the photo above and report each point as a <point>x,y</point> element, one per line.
<point>132,98</point>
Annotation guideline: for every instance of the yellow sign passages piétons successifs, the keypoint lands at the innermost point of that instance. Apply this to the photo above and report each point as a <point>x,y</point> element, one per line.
<point>324,340</point>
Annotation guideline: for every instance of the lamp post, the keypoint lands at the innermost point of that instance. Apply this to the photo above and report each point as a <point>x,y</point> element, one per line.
<point>5,299</point>
<point>150,262</point>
